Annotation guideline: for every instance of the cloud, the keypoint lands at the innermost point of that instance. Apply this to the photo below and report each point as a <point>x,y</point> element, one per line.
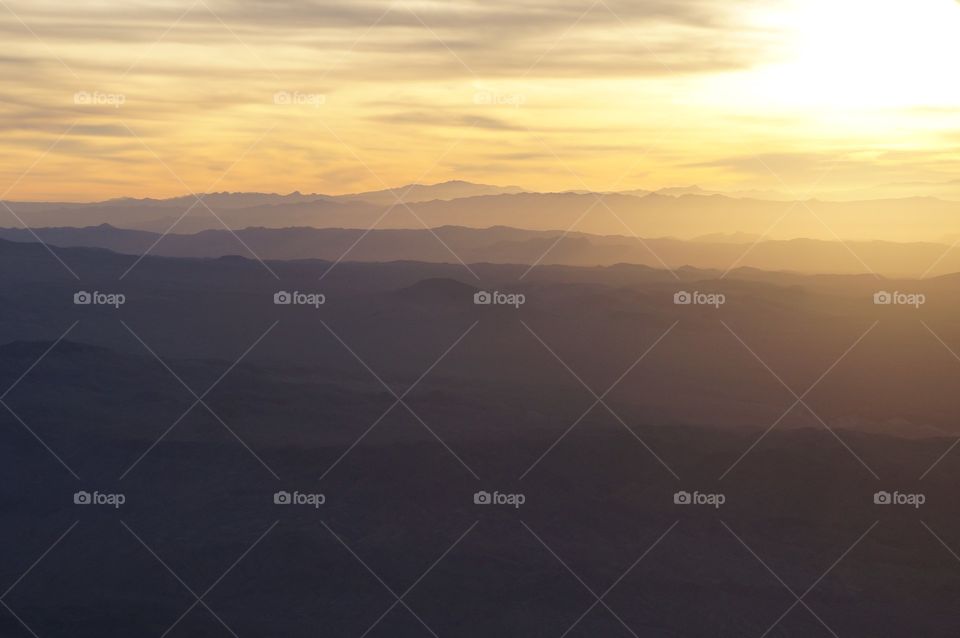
<point>487,16</point>
<point>605,84</point>
<point>453,38</point>
<point>824,173</point>
<point>434,119</point>
<point>765,163</point>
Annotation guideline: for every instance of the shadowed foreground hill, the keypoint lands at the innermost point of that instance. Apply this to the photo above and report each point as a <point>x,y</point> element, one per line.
<point>598,320</point>
<point>303,399</point>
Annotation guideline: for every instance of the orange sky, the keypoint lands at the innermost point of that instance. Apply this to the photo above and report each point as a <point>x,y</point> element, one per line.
<point>105,98</point>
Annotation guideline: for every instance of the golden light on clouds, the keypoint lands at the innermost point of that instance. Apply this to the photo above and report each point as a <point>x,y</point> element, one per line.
<point>343,96</point>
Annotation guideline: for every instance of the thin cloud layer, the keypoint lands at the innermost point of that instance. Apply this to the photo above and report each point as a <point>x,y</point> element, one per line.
<point>348,95</point>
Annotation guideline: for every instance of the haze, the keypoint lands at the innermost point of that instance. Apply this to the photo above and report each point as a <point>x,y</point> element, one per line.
<point>108,99</point>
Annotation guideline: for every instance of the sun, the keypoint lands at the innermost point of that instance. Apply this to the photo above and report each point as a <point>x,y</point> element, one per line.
<point>855,56</point>
<point>872,53</point>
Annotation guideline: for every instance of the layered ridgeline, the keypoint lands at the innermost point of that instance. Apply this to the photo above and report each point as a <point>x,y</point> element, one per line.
<point>461,221</point>
<point>294,389</point>
<point>899,379</point>
<point>448,244</point>
<point>679,213</point>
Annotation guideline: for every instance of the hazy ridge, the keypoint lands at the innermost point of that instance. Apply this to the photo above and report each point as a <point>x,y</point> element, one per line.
<point>684,216</point>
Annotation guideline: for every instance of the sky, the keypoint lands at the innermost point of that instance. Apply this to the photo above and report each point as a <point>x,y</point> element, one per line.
<point>103,98</point>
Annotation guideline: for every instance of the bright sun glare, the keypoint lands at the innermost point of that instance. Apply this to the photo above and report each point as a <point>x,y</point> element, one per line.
<point>876,54</point>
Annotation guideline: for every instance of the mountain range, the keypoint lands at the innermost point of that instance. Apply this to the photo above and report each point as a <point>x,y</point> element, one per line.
<point>504,245</point>
<point>303,398</point>
<point>654,215</point>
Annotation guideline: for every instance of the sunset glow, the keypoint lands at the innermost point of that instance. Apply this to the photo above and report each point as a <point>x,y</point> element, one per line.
<point>549,96</point>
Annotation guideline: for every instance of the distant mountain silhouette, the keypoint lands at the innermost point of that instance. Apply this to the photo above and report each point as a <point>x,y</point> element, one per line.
<point>410,193</point>
<point>221,201</point>
<point>517,246</point>
<point>653,215</point>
